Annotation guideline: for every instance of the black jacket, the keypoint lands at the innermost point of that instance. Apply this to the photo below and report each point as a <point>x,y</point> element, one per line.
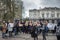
<point>34,32</point>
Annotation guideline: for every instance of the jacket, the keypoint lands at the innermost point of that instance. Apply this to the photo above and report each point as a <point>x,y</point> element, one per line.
<point>4,28</point>
<point>58,30</point>
<point>34,32</point>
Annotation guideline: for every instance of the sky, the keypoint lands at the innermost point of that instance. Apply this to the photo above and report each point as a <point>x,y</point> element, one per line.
<point>37,4</point>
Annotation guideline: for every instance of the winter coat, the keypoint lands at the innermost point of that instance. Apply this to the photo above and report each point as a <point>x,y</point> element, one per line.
<point>34,32</point>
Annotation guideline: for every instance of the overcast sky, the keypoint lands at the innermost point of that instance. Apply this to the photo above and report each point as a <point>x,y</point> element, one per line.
<point>36,4</point>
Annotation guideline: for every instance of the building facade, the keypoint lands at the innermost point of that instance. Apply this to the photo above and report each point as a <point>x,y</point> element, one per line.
<point>48,13</point>
<point>18,10</point>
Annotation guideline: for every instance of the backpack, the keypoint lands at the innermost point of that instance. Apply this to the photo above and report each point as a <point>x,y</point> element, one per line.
<point>46,29</point>
<point>58,30</point>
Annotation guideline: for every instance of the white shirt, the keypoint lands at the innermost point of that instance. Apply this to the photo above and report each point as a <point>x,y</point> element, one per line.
<point>11,24</point>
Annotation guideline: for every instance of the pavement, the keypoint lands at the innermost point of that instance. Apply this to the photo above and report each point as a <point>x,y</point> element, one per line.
<point>22,36</point>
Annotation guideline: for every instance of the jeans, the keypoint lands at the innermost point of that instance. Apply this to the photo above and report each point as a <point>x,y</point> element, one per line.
<point>44,36</point>
<point>3,35</point>
<point>15,31</point>
<point>58,37</point>
<point>10,33</point>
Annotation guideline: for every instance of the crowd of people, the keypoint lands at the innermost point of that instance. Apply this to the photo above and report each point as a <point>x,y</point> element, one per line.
<point>29,27</point>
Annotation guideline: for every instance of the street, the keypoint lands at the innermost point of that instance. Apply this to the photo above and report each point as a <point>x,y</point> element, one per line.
<point>22,36</point>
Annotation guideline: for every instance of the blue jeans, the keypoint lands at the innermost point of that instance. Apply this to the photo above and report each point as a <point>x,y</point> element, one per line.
<point>15,31</point>
<point>44,35</point>
<point>3,35</point>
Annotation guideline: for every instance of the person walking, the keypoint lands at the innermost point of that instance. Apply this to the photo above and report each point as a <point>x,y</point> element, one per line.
<point>26,27</point>
<point>39,27</point>
<point>45,30</point>
<point>34,32</point>
<point>16,27</point>
<point>20,27</point>
<point>30,26</point>
<point>4,28</point>
<point>58,31</point>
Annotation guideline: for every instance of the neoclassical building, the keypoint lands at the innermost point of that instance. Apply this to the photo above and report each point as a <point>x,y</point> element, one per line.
<point>52,14</point>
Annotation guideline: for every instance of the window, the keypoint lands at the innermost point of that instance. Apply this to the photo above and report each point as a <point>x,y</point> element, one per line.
<point>43,15</point>
<point>58,14</point>
<point>34,13</point>
<point>52,15</point>
<point>47,14</point>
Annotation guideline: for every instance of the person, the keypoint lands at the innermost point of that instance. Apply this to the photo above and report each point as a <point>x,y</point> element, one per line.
<point>39,27</point>
<point>7,27</point>
<point>30,26</point>
<point>26,27</point>
<point>10,28</point>
<point>34,32</point>
<point>23,26</point>
<point>58,31</point>
<point>45,30</point>
<point>4,28</point>
<point>16,27</point>
<point>20,27</point>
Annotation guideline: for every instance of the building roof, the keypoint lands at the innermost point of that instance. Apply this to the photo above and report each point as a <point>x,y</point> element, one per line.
<point>50,8</point>
<point>46,8</point>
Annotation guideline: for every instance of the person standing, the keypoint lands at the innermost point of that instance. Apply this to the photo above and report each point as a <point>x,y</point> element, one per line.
<point>16,27</point>
<point>45,30</point>
<point>30,27</point>
<point>58,31</point>
<point>10,28</point>
<point>34,32</point>
<point>4,28</point>
<point>20,26</point>
<point>26,27</point>
<point>23,26</point>
<point>39,27</point>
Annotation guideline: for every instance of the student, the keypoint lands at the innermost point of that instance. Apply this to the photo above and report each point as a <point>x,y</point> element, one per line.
<point>4,28</point>
<point>39,27</point>
<point>10,28</point>
<point>16,27</point>
<point>20,26</point>
<point>30,27</point>
<point>45,30</point>
<point>34,32</point>
<point>23,26</point>
<point>26,27</point>
<point>58,31</point>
